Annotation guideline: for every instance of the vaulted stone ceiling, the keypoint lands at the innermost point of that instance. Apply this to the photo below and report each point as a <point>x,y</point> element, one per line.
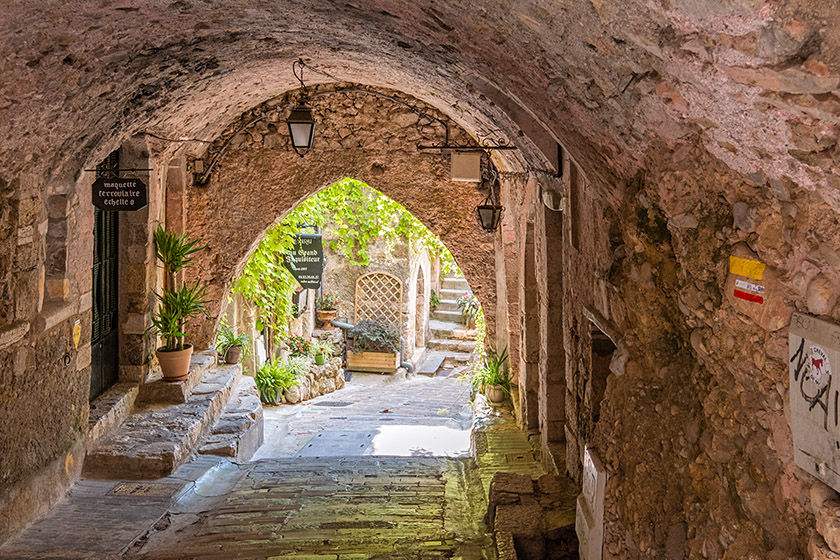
<point>610,80</point>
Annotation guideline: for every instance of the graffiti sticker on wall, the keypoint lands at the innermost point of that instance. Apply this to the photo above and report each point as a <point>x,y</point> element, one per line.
<point>815,397</point>
<point>750,270</point>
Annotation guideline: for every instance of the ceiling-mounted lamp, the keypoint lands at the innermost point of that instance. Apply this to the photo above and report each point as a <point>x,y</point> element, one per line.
<point>490,212</point>
<point>301,128</point>
<point>300,121</point>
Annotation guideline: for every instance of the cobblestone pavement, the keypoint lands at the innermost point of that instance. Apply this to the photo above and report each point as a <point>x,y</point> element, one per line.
<point>325,509</point>
<point>317,492</point>
<point>375,415</point>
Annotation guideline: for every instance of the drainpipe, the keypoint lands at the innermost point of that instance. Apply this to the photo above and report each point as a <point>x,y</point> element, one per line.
<point>409,368</point>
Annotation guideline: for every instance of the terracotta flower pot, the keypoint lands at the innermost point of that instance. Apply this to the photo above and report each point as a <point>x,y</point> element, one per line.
<point>495,394</point>
<point>175,364</point>
<point>326,317</point>
<point>233,355</point>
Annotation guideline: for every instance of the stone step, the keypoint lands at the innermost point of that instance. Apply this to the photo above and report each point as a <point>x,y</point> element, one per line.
<point>157,439</point>
<point>239,432</point>
<point>156,390</point>
<point>448,316</point>
<point>438,360</point>
<point>448,345</point>
<point>448,294</point>
<point>452,283</point>
<point>448,305</point>
<point>450,329</point>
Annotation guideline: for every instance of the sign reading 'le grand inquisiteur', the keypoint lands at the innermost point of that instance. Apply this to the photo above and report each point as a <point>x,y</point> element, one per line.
<point>306,261</point>
<point>119,195</point>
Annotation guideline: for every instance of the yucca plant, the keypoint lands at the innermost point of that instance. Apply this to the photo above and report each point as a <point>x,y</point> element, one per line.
<point>176,304</point>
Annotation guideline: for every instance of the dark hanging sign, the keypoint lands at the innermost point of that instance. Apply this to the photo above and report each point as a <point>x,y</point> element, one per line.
<point>119,195</point>
<point>306,261</point>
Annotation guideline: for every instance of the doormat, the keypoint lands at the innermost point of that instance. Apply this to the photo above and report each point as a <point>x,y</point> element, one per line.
<point>145,489</point>
<point>333,403</point>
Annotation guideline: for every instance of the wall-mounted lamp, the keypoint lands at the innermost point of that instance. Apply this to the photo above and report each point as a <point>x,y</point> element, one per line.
<point>300,121</point>
<point>490,212</point>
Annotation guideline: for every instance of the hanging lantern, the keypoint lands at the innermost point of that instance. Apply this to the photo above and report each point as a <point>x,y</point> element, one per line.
<point>301,129</point>
<point>490,214</point>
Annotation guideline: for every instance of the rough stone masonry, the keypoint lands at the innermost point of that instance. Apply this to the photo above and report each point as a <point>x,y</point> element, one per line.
<point>690,133</point>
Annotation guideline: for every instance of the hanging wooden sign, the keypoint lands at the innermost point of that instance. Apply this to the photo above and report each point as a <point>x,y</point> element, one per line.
<point>306,261</point>
<point>119,195</point>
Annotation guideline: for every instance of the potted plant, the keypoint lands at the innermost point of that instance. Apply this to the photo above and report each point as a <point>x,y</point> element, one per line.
<point>274,377</point>
<point>375,347</point>
<point>492,376</point>
<point>322,350</point>
<point>326,307</point>
<point>177,304</point>
<point>469,306</point>
<point>230,345</point>
<point>298,345</point>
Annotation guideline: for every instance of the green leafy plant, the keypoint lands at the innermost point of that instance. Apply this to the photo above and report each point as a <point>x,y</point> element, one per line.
<point>375,336</point>
<point>469,306</point>
<point>276,376</point>
<point>324,346</point>
<point>434,300</point>
<point>298,365</point>
<point>298,345</point>
<point>228,338</point>
<point>326,302</point>
<point>177,304</point>
<point>493,370</point>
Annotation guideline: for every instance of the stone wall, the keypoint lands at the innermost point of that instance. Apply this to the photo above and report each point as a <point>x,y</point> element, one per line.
<point>703,129</point>
<point>699,372</point>
<point>45,272</point>
<point>257,158</point>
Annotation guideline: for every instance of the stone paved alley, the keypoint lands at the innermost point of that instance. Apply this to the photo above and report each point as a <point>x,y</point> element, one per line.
<point>314,491</point>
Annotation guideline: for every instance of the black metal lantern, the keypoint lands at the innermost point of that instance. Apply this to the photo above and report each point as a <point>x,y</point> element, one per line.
<point>301,129</point>
<point>490,215</point>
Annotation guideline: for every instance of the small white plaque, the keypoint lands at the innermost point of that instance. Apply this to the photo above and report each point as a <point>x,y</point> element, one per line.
<point>815,397</point>
<point>589,518</point>
<point>466,166</point>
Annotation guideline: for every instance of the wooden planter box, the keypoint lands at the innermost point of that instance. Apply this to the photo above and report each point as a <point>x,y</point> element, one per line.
<point>374,362</point>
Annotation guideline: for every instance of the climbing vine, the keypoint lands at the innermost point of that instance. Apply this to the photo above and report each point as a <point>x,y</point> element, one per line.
<point>354,214</point>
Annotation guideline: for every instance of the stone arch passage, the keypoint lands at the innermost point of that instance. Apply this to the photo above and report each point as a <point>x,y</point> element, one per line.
<point>259,179</point>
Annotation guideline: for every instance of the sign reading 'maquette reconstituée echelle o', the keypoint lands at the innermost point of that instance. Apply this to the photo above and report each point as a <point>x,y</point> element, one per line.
<point>119,195</point>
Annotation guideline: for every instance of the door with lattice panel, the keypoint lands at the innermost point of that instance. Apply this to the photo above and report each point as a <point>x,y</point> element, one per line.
<point>378,298</point>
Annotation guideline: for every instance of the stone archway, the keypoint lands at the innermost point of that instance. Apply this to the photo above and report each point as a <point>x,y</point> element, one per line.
<point>373,139</point>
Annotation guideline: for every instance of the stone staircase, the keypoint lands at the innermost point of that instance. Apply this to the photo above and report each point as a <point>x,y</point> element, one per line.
<point>216,410</point>
<point>451,344</point>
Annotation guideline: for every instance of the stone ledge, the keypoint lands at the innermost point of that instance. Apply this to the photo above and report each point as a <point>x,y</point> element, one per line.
<point>154,441</point>
<point>156,390</point>
<point>13,333</point>
<point>109,410</point>
<point>54,313</point>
